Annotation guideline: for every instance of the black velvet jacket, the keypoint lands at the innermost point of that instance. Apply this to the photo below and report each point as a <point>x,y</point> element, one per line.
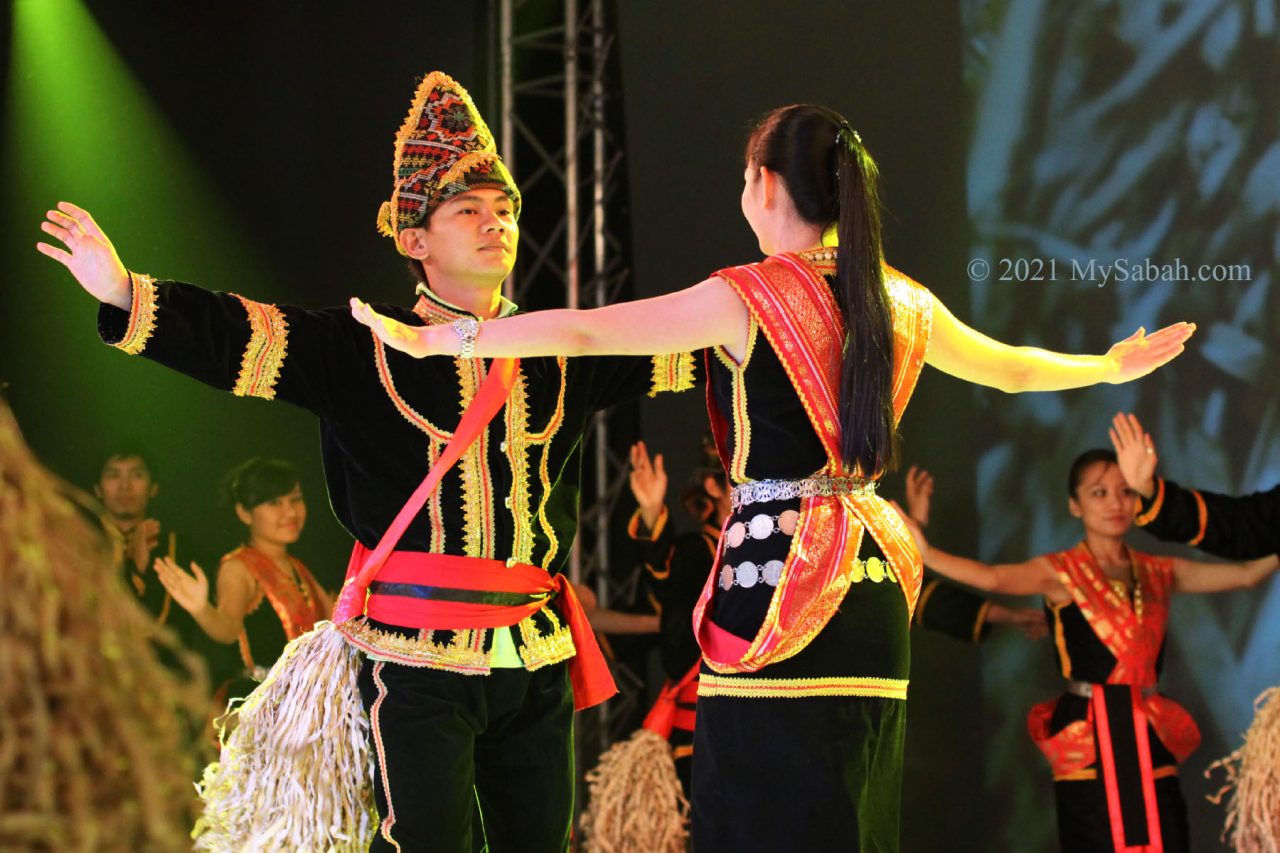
<point>385,417</point>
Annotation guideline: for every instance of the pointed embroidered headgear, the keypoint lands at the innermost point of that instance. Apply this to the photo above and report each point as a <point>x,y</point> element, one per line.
<point>443,148</point>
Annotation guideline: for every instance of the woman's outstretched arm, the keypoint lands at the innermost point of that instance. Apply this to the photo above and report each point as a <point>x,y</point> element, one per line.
<point>705,315</point>
<point>1034,577</point>
<point>966,353</point>
<point>1194,576</point>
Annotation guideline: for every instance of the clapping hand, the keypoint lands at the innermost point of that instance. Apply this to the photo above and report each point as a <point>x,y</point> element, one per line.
<point>919,494</point>
<point>648,478</point>
<point>191,591</point>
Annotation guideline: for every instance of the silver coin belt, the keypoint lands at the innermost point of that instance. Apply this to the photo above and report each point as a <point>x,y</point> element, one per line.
<point>748,574</point>
<point>810,487</point>
<point>761,527</point>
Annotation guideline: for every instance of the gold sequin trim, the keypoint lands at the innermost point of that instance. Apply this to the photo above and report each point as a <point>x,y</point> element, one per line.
<point>544,475</point>
<point>741,423</point>
<point>672,372</point>
<point>375,725</point>
<point>741,431</point>
<point>265,353</point>
<point>463,653</point>
<point>517,451</point>
<point>797,688</point>
<point>539,650</point>
<point>557,417</point>
<point>544,479</point>
<point>912,310</point>
<point>477,484</point>
<point>435,510</point>
<point>142,315</point>
<point>406,411</point>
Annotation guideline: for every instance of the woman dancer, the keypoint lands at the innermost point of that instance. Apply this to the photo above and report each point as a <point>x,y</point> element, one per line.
<point>804,623</point>
<point>1112,740</point>
<point>266,597</point>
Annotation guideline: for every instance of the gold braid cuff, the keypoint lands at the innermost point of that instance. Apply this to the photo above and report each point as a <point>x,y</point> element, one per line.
<point>142,314</point>
<point>265,353</point>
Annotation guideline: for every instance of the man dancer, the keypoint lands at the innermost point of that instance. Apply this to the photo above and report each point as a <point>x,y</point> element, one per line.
<point>126,485</point>
<point>456,715</point>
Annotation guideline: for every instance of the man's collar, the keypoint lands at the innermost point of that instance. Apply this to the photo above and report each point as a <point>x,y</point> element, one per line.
<point>434,310</point>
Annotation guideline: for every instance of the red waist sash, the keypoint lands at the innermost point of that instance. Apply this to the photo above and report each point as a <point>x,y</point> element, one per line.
<point>414,589</point>
<point>666,713</point>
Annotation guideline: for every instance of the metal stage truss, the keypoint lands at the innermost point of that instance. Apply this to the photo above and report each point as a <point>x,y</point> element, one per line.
<point>552,85</point>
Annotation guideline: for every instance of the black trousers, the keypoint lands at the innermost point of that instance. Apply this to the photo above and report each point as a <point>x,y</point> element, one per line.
<point>470,762</point>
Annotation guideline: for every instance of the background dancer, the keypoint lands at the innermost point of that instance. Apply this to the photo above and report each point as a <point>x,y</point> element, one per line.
<point>265,595</point>
<point>1112,740</point>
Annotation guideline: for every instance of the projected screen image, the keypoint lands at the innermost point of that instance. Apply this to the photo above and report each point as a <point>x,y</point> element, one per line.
<point>1124,171</point>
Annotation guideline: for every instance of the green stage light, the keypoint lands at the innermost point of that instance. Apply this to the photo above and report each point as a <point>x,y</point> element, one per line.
<point>80,127</point>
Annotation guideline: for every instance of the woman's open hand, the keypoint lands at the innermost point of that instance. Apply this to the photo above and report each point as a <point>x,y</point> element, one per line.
<point>1140,353</point>
<point>191,591</point>
<point>413,340</point>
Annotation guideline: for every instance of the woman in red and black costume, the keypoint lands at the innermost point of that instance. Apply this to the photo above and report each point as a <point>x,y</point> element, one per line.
<point>813,355</point>
<point>265,595</point>
<point>1112,740</point>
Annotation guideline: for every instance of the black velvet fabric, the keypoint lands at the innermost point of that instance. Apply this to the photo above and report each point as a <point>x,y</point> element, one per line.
<point>463,761</point>
<point>1084,827</point>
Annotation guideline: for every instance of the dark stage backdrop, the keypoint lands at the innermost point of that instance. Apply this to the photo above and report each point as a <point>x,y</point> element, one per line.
<point>241,147</point>
<point>248,148</point>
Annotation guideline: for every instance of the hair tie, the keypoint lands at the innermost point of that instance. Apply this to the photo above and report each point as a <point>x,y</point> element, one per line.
<point>846,132</point>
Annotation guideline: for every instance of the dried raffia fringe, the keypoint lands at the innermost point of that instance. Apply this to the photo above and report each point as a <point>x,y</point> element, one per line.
<point>95,732</point>
<point>1253,771</point>
<point>634,800</point>
<point>295,770</point>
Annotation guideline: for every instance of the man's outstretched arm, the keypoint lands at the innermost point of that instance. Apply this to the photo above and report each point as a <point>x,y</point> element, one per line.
<point>250,348</point>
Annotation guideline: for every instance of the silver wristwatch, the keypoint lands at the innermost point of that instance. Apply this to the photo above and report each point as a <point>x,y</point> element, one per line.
<point>467,328</point>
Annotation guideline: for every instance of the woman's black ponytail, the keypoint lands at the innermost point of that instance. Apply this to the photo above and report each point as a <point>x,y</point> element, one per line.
<point>867,432</point>
<point>831,177</point>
